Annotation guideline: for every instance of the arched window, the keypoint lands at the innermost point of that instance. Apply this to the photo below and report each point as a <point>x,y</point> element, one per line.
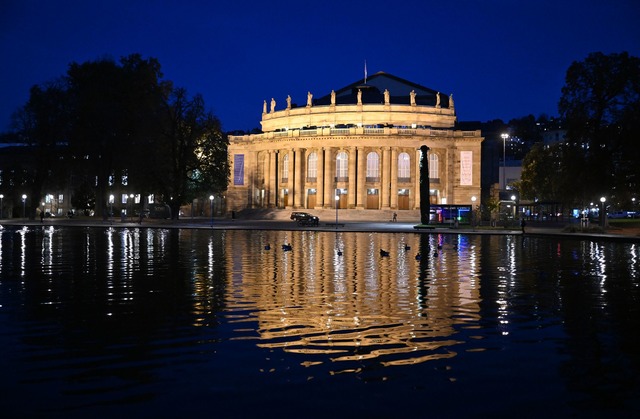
<point>373,167</point>
<point>285,168</point>
<point>404,167</point>
<point>342,167</point>
<point>433,166</point>
<point>312,167</point>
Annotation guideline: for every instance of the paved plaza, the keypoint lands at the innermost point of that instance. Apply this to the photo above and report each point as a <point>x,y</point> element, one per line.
<point>354,221</point>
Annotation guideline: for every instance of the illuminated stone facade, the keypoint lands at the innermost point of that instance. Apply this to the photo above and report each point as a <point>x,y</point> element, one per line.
<point>359,145</point>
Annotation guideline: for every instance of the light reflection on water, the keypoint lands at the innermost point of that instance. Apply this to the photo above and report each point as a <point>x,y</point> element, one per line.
<point>125,316</point>
<point>358,306</point>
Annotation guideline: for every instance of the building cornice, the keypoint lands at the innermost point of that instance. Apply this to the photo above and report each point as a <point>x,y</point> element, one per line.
<point>353,133</point>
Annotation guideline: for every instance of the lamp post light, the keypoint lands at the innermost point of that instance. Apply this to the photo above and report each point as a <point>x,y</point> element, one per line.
<point>111,198</point>
<point>603,213</point>
<point>337,201</point>
<point>473,214</point>
<point>2,207</point>
<point>211,208</point>
<point>504,160</point>
<point>131,213</point>
<point>24,204</point>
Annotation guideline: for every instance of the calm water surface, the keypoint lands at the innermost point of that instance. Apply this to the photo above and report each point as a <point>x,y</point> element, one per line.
<point>166,323</point>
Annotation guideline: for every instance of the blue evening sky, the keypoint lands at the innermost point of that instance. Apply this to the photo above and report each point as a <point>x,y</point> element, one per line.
<point>500,58</point>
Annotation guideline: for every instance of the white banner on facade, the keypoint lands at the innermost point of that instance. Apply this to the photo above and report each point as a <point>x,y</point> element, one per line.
<point>466,168</point>
<point>238,169</point>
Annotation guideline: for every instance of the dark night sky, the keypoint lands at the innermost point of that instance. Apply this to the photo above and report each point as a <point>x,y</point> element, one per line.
<point>500,58</point>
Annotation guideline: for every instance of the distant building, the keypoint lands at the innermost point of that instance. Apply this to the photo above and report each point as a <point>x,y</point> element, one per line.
<point>359,146</point>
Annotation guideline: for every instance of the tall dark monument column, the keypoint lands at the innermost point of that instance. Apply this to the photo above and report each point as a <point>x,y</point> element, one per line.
<point>425,202</point>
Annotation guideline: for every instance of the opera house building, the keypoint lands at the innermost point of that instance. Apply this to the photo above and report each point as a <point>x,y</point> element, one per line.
<point>357,148</point>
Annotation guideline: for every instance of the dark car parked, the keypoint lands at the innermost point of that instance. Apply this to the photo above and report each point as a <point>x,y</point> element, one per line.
<point>305,219</point>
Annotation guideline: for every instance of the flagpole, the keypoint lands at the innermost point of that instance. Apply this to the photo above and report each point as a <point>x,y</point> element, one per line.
<point>365,71</point>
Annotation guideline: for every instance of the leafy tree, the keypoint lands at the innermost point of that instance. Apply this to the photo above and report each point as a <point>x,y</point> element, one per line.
<point>42,124</point>
<point>527,130</point>
<point>195,149</point>
<point>538,173</point>
<point>118,125</point>
<point>601,106</point>
<point>116,109</point>
<point>84,197</point>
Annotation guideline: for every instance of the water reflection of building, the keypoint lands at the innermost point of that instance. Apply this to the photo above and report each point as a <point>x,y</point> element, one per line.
<point>359,305</point>
<point>359,146</point>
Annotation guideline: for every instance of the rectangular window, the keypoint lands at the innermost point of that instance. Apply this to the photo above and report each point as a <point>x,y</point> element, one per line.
<point>312,169</point>
<point>124,198</point>
<point>433,166</point>
<point>238,169</point>
<point>60,199</point>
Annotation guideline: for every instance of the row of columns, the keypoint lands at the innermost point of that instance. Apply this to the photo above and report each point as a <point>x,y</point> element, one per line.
<point>325,184</point>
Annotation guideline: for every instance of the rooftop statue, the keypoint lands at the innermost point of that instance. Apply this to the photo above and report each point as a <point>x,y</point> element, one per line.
<point>333,97</point>
<point>288,102</point>
<point>359,97</point>
<point>264,107</point>
<point>309,98</point>
<point>386,96</point>
<point>273,105</point>
<point>412,97</point>
<point>451,101</point>
<point>438,100</point>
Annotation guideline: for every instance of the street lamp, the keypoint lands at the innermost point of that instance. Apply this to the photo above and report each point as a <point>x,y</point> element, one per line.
<point>473,205</point>
<point>24,203</point>
<point>111,198</point>
<point>504,160</point>
<point>211,208</point>
<point>1,206</point>
<point>337,201</point>
<point>513,198</point>
<point>603,213</point>
<point>131,214</point>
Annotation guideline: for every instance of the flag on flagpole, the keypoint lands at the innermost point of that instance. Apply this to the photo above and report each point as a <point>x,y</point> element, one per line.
<point>365,71</point>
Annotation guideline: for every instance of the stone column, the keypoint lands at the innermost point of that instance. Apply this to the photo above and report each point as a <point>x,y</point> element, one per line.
<point>451,167</point>
<point>265,174</point>
<point>250,168</point>
<point>273,184</point>
<point>394,178</point>
<point>352,178</point>
<point>329,173</point>
<point>320,180</point>
<point>385,178</point>
<point>298,179</point>
<point>362,178</point>
<point>416,180</point>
